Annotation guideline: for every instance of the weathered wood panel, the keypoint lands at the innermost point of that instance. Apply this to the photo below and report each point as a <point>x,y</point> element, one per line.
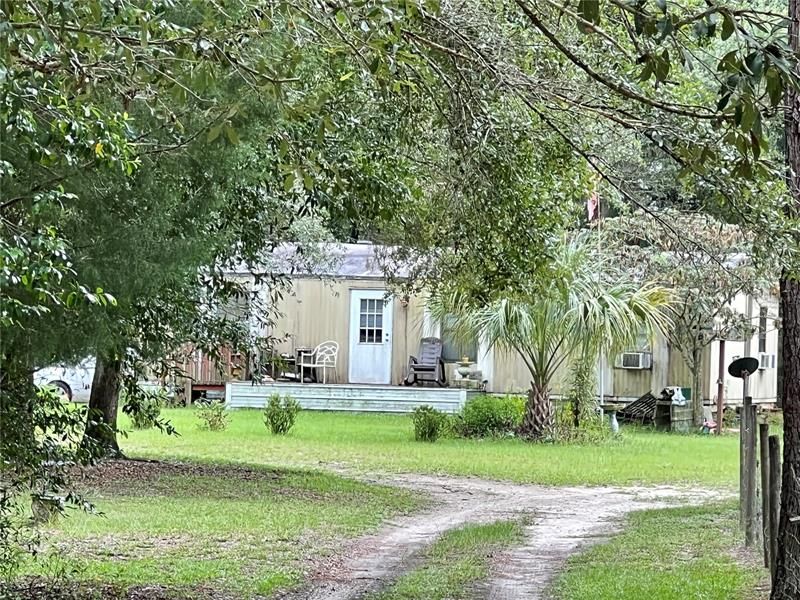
<point>347,397</point>
<point>201,369</point>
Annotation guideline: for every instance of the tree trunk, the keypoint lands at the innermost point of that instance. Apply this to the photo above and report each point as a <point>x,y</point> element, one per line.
<point>582,390</point>
<point>538,421</point>
<point>786,583</point>
<point>100,436</point>
<point>787,573</point>
<point>697,389</point>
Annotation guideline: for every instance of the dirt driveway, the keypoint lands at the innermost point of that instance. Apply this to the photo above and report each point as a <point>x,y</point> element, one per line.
<point>561,520</point>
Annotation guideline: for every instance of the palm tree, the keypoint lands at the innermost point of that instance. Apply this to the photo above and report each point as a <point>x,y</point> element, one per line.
<point>585,308</point>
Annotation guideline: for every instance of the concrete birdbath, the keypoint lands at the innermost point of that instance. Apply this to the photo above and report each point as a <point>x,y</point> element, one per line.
<point>612,409</point>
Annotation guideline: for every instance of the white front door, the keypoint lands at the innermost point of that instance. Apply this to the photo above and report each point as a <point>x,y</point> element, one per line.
<point>370,337</point>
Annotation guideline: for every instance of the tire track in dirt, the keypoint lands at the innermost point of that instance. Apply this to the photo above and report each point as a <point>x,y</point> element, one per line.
<point>562,521</point>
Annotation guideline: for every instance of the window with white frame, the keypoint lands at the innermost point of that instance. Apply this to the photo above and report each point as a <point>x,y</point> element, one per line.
<point>370,327</point>
<point>454,347</point>
<point>762,328</point>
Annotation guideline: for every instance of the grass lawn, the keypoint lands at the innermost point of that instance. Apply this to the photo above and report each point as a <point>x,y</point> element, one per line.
<point>458,559</point>
<point>385,442</point>
<point>669,554</point>
<point>241,529</point>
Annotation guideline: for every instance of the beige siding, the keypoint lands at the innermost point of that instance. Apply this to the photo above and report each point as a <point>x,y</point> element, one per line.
<point>412,327</point>
<point>317,311</point>
<point>630,383</point>
<point>510,373</point>
<point>679,373</point>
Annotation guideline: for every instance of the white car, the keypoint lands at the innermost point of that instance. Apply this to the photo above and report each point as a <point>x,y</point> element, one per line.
<point>74,381</point>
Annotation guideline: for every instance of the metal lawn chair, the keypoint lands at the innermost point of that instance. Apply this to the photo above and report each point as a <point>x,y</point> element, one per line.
<point>429,366</point>
<point>323,357</point>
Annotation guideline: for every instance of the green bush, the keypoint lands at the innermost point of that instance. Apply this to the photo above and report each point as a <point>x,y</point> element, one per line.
<point>280,413</point>
<point>485,416</point>
<point>593,429</point>
<point>429,423</point>
<point>454,426</point>
<point>212,415</point>
<point>147,410</point>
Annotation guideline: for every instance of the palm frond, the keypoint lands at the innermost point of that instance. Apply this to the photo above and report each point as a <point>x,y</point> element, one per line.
<point>580,313</point>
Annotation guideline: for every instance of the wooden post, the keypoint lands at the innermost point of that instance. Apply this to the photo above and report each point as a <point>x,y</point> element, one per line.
<point>187,390</point>
<point>721,386</point>
<point>742,466</point>
<point>774,498</point>
<point>766,513</point>
<point>750,467</point>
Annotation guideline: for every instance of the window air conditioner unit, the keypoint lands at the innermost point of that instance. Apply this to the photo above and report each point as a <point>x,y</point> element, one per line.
<point>635,360</point>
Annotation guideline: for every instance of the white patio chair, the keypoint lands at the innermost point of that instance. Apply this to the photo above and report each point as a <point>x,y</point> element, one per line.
<point>323,357</point>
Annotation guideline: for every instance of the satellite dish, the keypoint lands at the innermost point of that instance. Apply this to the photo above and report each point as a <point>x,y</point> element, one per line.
<point>738,367</point>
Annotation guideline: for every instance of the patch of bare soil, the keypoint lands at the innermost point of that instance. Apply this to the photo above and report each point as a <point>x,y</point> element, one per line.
<point>120,547</point>
<point>41,589</point>
<point>747,557</point>
<point>223,481</point>
<point>130,472</point>
<point>561,521</point>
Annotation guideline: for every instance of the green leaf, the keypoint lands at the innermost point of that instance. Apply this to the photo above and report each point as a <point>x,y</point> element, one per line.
<point>213,133</point>
<point>774,87</point>
<point>755,142</point>
<point>728,25</point>
<point>661,67</point>
<point>589,10</point>
<point>749,112</point>
<point>647,72</point>
<point>288,182</point>
<point>755,64</point>
<point>639,22</point>
<point>231,134</point>
<point>723,101</point>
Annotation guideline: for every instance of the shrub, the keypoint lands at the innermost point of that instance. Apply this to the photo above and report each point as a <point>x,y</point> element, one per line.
<point>280,413</point>
<point>212,415</point>
<point>147,410</point>
<point>429,423</point>
<point>492,416</point>
<point>454,426</point>
<point>173,397</point>
<point>592,430</point>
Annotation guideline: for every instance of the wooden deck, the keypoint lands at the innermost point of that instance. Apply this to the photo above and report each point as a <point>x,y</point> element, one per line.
<point>347,397</point>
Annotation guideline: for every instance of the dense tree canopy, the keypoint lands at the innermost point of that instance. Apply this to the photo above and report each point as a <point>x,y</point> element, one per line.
<point>707,264</point>
<point>147,145</point>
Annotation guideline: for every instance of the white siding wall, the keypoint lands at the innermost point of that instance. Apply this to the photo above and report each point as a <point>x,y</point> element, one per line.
<point>764,383</point>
